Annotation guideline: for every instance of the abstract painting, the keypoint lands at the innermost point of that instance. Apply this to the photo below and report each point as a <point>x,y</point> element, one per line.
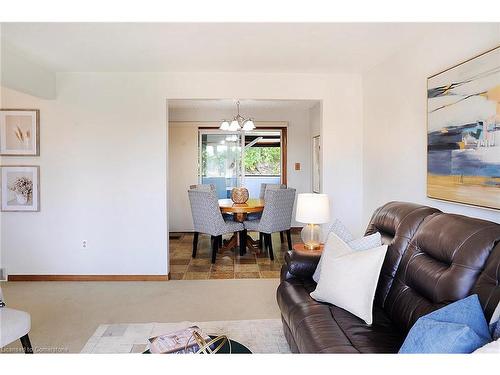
<point>20,188</point>
<point>463,132</point>
<point>19,132</point>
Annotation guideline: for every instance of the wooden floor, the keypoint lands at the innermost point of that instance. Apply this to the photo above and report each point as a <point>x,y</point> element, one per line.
<point>229,265</point>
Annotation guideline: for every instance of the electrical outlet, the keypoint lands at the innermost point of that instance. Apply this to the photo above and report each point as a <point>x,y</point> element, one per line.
<point>85,245</point>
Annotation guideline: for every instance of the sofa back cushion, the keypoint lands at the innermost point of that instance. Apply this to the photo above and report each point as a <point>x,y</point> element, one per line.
<point>442,264</point>
<point>397,222</point>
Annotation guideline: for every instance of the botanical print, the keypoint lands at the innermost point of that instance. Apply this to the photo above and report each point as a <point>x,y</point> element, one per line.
<point>463,132</point>
<point>18,132</point>
<point>19,188</point>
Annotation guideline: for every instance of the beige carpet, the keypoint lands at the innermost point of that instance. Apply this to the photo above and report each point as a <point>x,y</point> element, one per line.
<point>66,314</point>
<point>260,336</point>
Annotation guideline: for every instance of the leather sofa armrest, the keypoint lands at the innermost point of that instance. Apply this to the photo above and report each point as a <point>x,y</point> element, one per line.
<point>302,264</point>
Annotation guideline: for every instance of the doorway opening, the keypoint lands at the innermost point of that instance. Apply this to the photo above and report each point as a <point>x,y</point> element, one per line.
<point>277,151</point>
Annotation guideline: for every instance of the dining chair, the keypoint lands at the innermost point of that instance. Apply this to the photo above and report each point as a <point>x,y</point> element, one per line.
<point>14,325</point>
<point>258,215</point>
<point>276,217</point>
<point>210,187</point>
<point>208,219</point>
<point>264,187</point>
<point>204,187</point>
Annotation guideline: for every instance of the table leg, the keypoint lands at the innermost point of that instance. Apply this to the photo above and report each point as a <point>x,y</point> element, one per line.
<point>229,245</point>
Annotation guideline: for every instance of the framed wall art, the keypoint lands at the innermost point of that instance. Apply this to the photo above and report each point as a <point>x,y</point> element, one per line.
<point>19,132</point>
<point>316,172</point>
<point>20,188</point>
<point>463,132</point>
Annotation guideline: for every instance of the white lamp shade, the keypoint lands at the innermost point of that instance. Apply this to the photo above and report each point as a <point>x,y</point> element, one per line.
<point>234,126</point>
<point>224,125</point>
<point>313,208</point>
<point>248,125</point>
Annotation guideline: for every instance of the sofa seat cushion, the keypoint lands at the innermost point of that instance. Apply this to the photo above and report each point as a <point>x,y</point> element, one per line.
<point>323,328</point>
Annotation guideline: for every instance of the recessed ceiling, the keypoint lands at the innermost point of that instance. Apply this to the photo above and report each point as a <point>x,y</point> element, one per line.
<point>210,47</point>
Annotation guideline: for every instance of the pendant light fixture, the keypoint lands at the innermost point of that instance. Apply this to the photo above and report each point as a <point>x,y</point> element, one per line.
<point>239,123</point>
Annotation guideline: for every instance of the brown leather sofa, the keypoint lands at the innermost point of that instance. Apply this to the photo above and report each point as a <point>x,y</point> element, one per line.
<point>433,259</point>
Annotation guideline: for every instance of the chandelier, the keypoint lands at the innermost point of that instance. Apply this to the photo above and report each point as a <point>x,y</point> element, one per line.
<point>239,123</point>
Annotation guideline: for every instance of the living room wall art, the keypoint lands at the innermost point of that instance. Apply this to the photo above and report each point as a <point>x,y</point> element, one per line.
<point>20,188</point>
<point>463,132</point>
<point>19,132</point>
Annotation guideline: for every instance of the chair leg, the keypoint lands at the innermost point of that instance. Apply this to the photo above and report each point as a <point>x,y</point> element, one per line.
<point>25,342</point>
<point>220,242</point>
<point>269,243</point>
<point>243,242</point>
<point>195,244</point>
<point>282,237</point>
<point>215,247</point>
<point>261,241</point>
<point>289,238</point>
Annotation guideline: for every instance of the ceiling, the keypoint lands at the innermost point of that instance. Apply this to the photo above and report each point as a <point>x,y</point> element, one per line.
<point>211,47</point>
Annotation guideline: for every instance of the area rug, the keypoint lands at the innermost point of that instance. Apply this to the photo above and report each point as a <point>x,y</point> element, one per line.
<point>260,336</point>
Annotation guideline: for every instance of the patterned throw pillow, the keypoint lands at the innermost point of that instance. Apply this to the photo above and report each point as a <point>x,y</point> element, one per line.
<point>340,230</point>
<point>363,243</point>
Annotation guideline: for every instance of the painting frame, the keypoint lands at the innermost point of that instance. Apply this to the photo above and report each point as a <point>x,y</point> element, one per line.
<point>316,164</point>
<point>32,132</point>
<point>5,203</point>
<point>475,190</point>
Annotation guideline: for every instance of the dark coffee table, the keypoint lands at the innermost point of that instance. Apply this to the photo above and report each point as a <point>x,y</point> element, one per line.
<point>235,348</point>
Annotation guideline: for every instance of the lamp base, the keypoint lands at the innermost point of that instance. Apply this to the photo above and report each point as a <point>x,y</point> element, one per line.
<point>311,235</point>
<point>312,246</point>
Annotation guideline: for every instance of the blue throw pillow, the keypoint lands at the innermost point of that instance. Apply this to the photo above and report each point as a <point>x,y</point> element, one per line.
<point>459,327</point>
<point>495,330</point>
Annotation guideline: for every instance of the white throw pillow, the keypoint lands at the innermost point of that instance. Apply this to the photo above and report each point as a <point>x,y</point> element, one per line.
<point>349,278</point>
<point>491,348</point>
<point>363,243</point>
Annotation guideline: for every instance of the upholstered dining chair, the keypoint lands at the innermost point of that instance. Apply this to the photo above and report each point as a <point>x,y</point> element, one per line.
<point>264,187</point>
<point>276,217</point>
<point>14,325</point>
<point>203,187</point>
<point>208,219</point>
<point>258,215</point>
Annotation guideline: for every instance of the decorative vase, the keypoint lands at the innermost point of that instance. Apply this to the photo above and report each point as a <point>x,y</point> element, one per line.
<point>21,199</point>
<point>239,195</point>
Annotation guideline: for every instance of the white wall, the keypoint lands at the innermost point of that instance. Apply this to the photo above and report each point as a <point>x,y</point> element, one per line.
<point>394,99</point>
<point>104,164</point>
<point>183,171</point>
<point>103,179</point>
<point>298,151</point>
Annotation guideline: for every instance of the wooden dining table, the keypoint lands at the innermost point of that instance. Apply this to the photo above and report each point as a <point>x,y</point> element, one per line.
<point>240,212</point>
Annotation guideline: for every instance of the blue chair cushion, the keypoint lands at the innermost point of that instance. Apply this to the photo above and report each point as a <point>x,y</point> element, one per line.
<point>459,327</point>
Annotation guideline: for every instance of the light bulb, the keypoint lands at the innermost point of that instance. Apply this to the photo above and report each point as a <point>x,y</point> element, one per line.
<point>224,125</point>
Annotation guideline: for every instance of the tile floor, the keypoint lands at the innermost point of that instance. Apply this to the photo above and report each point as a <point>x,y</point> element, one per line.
<point>229,265</point>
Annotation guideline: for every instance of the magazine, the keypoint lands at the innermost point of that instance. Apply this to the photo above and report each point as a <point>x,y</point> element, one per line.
<point>179,342</point>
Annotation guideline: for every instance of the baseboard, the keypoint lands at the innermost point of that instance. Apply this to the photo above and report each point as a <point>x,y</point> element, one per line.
<point>88,277</point>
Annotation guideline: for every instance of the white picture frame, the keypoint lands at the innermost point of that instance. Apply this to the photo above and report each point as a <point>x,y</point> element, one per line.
<point>12,201</point>
<point>316,173</point>
<point>19,132</point>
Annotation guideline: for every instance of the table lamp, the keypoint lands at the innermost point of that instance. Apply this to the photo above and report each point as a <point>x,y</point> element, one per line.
<point>312,209</point>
